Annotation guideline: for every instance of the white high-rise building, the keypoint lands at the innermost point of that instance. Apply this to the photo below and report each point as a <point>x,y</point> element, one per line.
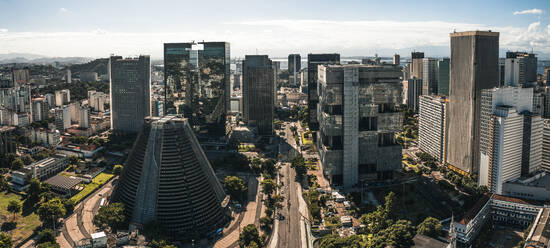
<point>40,109</point>
<point>75,111</point>
<point>97,100</point>
<point>510,137</point>
<point>84,117</point>
<point>62,97</point>
<point>431,125</point>
<point>62,117</point>
<point>396,59</point>
<point>545,165</point>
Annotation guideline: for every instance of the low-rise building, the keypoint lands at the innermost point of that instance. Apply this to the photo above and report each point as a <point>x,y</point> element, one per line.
<point>539,235</point>
<point>41,170</point>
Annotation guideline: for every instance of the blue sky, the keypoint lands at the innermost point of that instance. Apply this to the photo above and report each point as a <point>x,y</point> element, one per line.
<point>99,28</point>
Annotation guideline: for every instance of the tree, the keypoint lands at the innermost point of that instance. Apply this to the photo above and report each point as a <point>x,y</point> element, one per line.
<point>268,166</point>
<point>69,205</point>
<point>161,244</point>
<point>46,236</point>
<point>399,234</point>
<point>111,216</point>
<point>34,190</point>
<point>49,212</point>
<point>268,186</point>
<point>252,245</point>
<point>14,207</point>
<point>235,186</point>
<point>4,185</point>
<point>17,164</point>
<point>5,240</point>
<point>117,169</point>
<point>27,159</point>
<point>299,165</point>
<point>248,235</point>
<point>48,245</point>
<point>265,223</point>
<point>335,241</point>
<point>429,227</point>
<point>389,205</point>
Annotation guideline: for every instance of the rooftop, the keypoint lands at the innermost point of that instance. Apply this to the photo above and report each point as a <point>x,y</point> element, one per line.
<point>471,214</point>
<point>63,182</point>
<point>477,32</point>
<point>540,232</point>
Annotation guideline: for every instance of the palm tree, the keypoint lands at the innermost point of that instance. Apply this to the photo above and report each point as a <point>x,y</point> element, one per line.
<point>14,207</point>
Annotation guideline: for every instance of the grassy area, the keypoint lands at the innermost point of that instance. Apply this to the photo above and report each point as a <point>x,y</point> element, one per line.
<point>26,222</point>
<point>97,182</point>
<point>311,165</point>
<point>306,139</point>
<point>414,167</point>
<point>246,148</point>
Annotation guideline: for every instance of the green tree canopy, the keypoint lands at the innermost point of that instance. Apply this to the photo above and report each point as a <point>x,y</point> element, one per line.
<point>268,186</point>
<point>430,227</point>
<point>46,236</point>
<point>248,235</point>
<point>17,164</point>
<point>49,212</point>
<point>14,207</point>
<point>5,240</point>
<point>110,216</point>
<point>235,186</point>
<point>117,169</point>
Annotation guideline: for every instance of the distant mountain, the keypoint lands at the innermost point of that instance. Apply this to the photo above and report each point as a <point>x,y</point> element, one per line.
<point>29,58</point>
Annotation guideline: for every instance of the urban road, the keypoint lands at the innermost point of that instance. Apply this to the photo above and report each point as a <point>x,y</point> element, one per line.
<point>290,231</point>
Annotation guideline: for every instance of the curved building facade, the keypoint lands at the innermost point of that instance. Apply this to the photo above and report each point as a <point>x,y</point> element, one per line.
<point>167,178</point>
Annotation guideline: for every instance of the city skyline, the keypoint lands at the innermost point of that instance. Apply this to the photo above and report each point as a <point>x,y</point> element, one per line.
<point>65,28</point>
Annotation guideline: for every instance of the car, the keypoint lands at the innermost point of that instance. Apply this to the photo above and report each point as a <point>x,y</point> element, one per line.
<point>281,217</point>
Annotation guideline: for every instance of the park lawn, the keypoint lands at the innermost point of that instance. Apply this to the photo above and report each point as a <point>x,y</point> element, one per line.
<point>307,140</point>
<point>97,182</point>
<point>414,167</point>
<point>246,148</point>
<point>26,224</point>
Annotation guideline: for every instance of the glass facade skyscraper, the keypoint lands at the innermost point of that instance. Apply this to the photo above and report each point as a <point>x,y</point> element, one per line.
<point>196,77</point>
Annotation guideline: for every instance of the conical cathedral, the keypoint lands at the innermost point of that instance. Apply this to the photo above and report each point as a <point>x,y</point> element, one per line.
<point>167,178</point>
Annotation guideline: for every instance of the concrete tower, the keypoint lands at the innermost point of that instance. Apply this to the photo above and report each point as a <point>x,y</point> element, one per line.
<point>474,66</point>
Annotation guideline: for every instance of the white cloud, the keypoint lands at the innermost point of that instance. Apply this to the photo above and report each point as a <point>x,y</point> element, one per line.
<point>3,30</point>
<point>63,10</point>
<point>278,38</point>
<point>529,11</point>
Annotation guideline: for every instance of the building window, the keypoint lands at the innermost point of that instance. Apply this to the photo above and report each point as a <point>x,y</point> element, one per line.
<point>386,139</point>
<point>368,123</point>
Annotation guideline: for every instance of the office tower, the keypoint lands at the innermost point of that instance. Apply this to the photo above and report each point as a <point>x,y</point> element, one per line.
<point>197,83</point>
<point>258,93</point>
<point>507,141</point>
<point>396,59</point>
<point>313,60</point>
<point>358,121</point>
<point>75,111</point>
<point>538,101</point>
<point>157,109</point>
<point>88,76</point>
<point>50,98</point>
<point>407,71</point>
<point>546,76</point>
<point>7,140</point>
<point>20,77</point>
<point>520,68</point>
<point>546,103</point>
<point>130,80</point>
<point>40,109</point>
<point>62,97</point>
<point>294,66</point>
<point>431,125</point>
<point>84,117</point>
<point>443,75</point>
<point>501,71</point>
<point>168,179</point>
<point>97,100</point>
<point>474,66</point>
<point>429,76</point>
<point>414,91</point>
<point>303,80</point>
<point>545,164</point>
<point>68,78</point>
<point>276,72</point>
<point>501,109</point>
<point>417,64</point>
<point>62,117</point>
